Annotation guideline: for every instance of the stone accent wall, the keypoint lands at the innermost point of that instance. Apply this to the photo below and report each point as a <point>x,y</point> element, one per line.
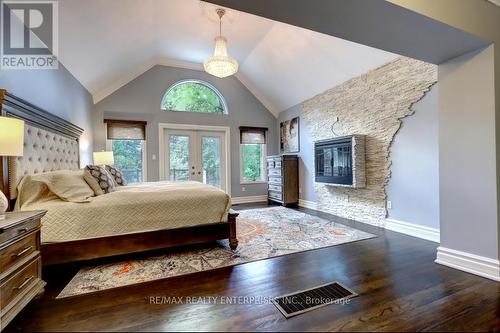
<point>372,104</point>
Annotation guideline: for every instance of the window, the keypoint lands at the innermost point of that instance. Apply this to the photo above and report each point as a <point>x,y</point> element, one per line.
<point>129,158</point>
<point>252,155</point>
<point>127,140</point>
<point>193,96</point>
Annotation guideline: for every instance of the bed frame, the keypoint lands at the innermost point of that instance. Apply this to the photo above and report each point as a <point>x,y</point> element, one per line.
<point>52,143</point>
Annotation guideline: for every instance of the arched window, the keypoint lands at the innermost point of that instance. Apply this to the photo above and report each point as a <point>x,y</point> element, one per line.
<point>193,96</point>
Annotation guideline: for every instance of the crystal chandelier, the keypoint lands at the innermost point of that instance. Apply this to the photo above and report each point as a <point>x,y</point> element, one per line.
<point>220,65</point>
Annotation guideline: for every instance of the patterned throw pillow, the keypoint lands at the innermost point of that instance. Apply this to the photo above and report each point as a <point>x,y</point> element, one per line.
<point>117,175</point>
<point>99,179</point>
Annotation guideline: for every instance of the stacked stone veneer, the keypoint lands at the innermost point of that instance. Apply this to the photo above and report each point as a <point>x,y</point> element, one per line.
<point>373,105</point>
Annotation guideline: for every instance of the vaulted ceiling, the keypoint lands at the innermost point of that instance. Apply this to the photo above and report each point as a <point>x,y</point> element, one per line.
<point>107,43</point>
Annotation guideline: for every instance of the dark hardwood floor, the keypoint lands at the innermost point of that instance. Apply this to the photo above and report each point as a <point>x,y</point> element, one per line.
<point>400,288</point>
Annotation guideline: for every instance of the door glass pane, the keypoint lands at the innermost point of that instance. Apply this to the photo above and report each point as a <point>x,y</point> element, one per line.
<point>211,167</point>
<point>179,157</point>
<point>128,158</point>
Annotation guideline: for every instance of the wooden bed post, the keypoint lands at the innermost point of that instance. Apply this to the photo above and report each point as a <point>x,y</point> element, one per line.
<point>231,220</point>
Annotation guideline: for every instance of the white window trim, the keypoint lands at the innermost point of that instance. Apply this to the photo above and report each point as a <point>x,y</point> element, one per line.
<point>203,83</point>
<point>162,154</point>
<point>109,147</point>
<point>263,167</point>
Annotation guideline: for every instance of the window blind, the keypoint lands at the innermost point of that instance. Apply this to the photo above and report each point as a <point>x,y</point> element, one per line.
<point>125,129</point>
<point>253,135</point>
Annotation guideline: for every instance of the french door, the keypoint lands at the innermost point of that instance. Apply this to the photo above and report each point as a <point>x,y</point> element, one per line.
<point>196,155</point>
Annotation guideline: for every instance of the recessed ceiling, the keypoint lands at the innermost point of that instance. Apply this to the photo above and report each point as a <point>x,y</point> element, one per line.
<point>107,43</point>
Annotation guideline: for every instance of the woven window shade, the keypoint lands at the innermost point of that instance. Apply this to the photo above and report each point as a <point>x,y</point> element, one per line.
<point>126,129</point>
<point>253,135</point>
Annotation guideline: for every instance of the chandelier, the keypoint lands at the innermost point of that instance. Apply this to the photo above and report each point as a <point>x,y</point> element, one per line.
<point>220,65</point>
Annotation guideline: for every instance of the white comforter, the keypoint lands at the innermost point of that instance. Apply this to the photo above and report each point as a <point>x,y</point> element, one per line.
<point>131,209</point>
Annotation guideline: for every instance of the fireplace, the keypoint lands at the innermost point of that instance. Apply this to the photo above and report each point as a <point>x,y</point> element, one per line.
<point>340,161</point>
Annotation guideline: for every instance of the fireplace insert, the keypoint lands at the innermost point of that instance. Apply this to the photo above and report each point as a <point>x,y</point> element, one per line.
<point>334,161</point>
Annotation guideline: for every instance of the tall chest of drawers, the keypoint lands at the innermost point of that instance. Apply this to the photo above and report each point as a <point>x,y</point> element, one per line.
<point>20,263</point>
<point>283,179</point>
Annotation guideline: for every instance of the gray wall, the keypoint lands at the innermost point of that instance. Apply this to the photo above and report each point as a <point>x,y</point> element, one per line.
<point>59,93</point>
<point>413,187</point>
<point>141,98</point>
<point>467,156</point>
<point>306,154</point>
<point>481,18</point>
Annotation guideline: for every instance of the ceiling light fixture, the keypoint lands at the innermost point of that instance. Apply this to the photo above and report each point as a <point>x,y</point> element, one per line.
<point>220,65</point>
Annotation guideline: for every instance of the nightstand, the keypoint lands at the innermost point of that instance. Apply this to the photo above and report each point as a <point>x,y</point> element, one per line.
<point>20,262</point>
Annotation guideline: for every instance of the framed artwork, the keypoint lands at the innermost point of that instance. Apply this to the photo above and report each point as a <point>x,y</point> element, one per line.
<point>289,136</point>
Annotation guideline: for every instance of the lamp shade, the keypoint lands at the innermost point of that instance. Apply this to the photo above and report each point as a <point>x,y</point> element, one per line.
<point>11,136</point>
<point>104,157</point>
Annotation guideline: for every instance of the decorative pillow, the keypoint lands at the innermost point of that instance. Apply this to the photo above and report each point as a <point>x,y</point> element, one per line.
<point>117,175</point>
<point>99,179</point>
<point>93,183</point>
<point>65,184</point>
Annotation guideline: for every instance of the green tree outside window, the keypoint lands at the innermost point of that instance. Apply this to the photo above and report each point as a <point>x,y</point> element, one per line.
<point>128,158</point>
<point>193,96</point>
<point>252,162</point>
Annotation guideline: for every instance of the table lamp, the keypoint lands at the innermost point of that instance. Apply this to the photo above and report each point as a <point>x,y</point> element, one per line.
<point>11,144</point>
<point>104,158</point>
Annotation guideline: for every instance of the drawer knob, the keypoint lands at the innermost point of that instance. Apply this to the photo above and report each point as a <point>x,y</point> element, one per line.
<point>22,252</point>
<point>23,230</point>
<point>25,283</point>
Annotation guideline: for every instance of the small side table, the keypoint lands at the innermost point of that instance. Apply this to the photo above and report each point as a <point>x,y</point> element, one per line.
<point>20,262</point>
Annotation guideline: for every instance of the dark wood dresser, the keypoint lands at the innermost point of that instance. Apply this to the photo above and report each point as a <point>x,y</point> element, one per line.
<point>20,263</point>
<point>283,179</point>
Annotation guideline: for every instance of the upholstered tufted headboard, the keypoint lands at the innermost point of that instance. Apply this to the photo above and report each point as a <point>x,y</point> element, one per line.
<point>50,143</point>
<point>44,151</point>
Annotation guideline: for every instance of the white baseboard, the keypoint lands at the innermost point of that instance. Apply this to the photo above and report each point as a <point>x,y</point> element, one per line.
<point>414,230</point>
<point>406,228</point>
<point>250,199</point>
<point>470,263</point>
<point>308,204</point>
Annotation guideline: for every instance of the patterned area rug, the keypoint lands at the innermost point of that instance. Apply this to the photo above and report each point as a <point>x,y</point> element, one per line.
<point>262,233</point>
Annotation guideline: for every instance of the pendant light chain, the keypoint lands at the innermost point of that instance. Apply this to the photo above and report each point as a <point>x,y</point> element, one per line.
<point>220,12</point>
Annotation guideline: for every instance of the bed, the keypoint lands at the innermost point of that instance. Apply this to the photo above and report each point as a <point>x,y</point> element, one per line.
<point>135,218</point>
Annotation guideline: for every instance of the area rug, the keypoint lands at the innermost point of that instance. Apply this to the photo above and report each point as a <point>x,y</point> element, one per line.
<point>262,233</point>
